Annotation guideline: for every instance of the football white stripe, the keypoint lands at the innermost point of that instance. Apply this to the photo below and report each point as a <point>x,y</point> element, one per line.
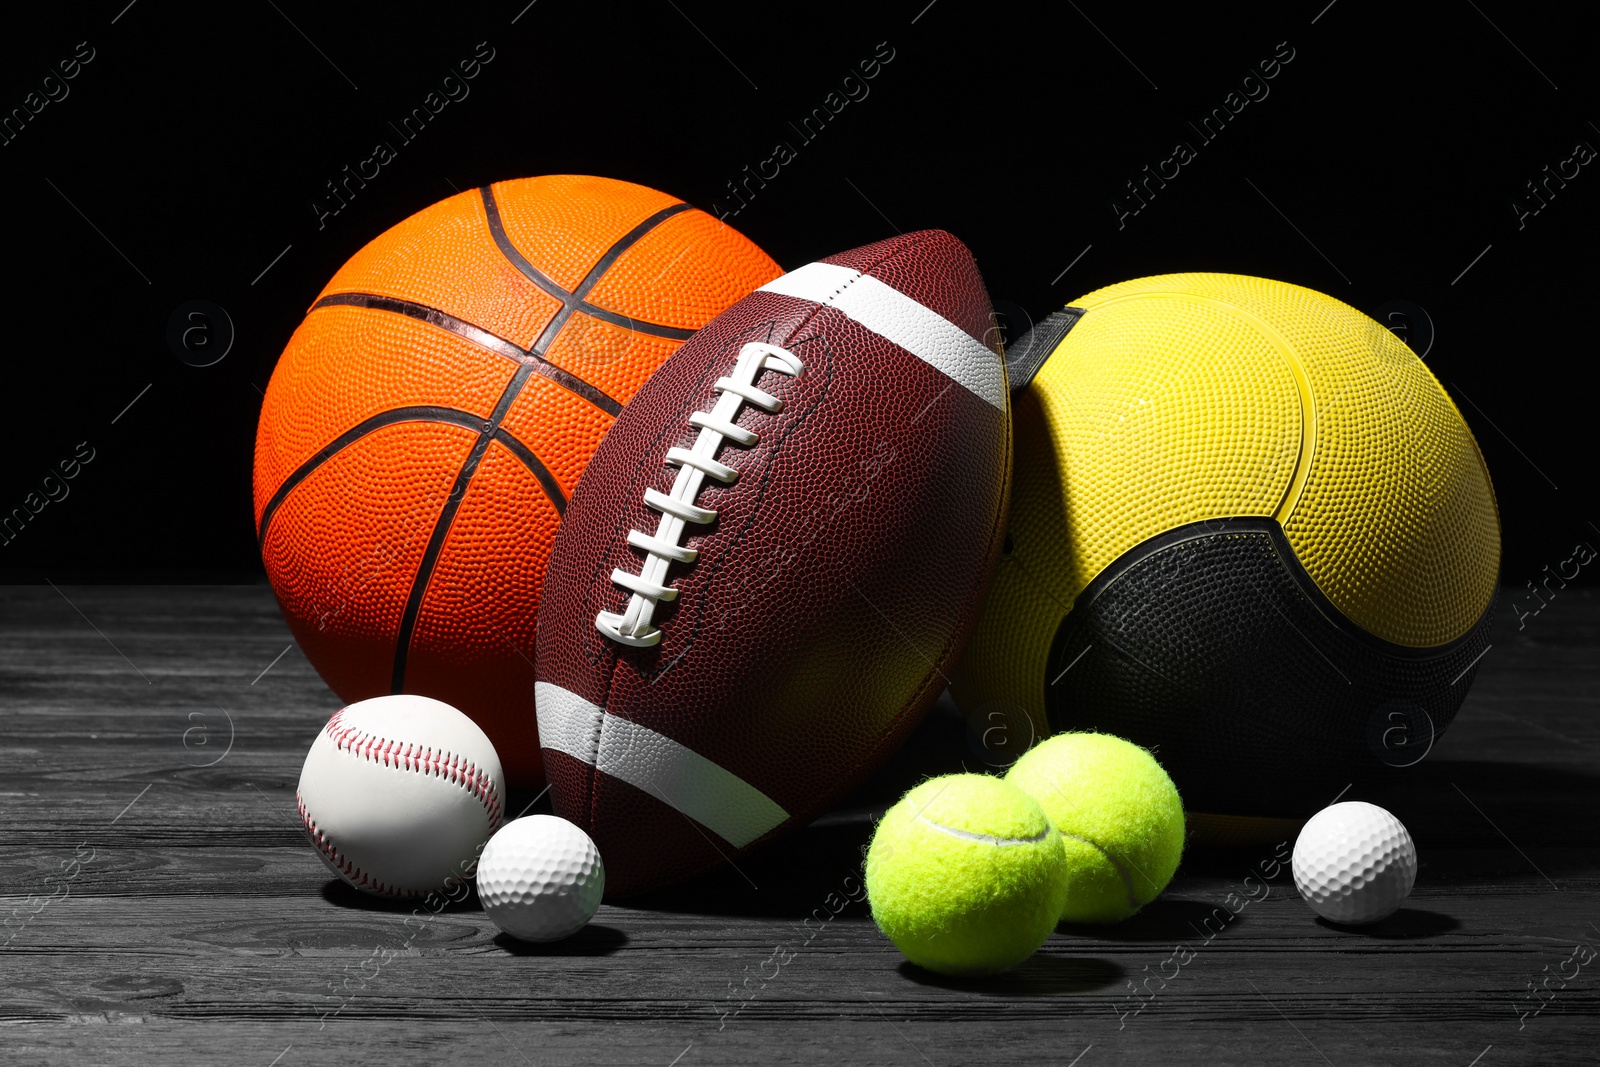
<point>719,800</point>
<point>891,314</point>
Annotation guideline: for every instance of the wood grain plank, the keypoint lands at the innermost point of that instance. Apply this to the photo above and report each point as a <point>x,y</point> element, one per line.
<point>143,741</point>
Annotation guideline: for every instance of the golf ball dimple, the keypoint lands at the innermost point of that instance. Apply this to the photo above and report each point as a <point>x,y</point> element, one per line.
<point>1354,863</point>
<point>540,878</point>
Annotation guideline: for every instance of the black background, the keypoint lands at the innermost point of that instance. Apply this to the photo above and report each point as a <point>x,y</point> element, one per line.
<point>189,152</point>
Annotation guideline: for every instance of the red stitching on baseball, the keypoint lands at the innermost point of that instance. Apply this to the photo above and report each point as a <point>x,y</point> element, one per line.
<point>449,765</point>
<point>414,758</point>
<point>341,863</point>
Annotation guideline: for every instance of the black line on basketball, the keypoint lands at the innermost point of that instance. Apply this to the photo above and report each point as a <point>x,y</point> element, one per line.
<point>432,316</point>
<point>552,488</point>
<point>420,413</point>
<point>502,240</point>
<point>625,242</point>
<point>441,528</point>
<point>651,329</point>
<point>603,264</point>
<point>574,384</point>
<point>479,336</point>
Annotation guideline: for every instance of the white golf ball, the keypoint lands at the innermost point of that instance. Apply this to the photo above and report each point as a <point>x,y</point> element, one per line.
<point>1354,863</point>
<point>540,878</point>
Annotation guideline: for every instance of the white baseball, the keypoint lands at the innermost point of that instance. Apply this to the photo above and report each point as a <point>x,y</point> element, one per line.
<point>399,794</point>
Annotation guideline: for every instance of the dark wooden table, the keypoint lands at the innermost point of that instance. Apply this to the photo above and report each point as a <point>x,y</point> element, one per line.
<point>161,906</point>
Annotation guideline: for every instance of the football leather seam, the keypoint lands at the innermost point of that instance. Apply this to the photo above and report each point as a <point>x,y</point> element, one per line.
<point>677,508</point>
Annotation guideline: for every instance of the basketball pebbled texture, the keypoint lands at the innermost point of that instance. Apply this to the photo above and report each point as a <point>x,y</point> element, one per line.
<point>431,416</point>
<point>841,575</point>
<point>1197,403</point>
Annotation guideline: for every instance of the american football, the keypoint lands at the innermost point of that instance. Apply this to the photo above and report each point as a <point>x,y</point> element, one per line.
<point>773,557</point>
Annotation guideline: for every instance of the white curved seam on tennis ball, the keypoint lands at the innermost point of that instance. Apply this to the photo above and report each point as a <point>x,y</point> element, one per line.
<point>988,839</point>
<point>1127,880</point>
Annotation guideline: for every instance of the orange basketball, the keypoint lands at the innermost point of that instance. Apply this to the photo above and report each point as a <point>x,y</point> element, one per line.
<point>427,423</point>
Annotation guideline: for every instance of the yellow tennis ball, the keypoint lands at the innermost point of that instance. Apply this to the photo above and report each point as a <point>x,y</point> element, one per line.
<point>966,875</point>
<point>1119,816</point>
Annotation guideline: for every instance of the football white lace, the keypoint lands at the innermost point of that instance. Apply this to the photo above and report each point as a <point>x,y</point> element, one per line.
<point>633,626</point>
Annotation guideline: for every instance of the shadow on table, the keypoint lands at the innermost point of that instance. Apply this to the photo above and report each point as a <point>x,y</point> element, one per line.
<point>809,872</point>
<point>1407,924</point>
<point>814,872</point>
<point>1162,920</point>
<point>1041,975</point>
<point>343,895</point>
<point>592,940</point>
<point>1446,803</point>
<point>1458,803</point>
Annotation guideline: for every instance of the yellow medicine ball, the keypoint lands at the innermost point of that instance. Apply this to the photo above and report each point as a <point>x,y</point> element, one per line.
<point>1250,531</point>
